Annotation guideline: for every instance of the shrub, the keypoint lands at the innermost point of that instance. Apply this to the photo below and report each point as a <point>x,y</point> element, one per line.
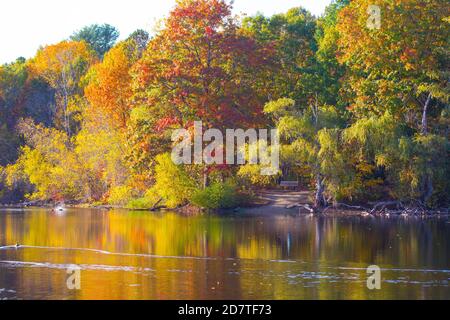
<point>218,196</point>
<point>173,184</point>
<point>250,174</point>
<point>120,195</point>
<point>140,203</point>
<point>148,201</point>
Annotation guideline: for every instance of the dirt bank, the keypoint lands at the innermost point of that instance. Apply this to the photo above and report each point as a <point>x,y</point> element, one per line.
<point>278,201</point>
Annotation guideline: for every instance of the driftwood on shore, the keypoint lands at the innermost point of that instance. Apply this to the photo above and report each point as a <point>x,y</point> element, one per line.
<point>383,208</point>
<point>299,205</point>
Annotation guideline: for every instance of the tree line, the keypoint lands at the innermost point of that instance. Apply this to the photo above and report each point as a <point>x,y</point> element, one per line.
<point>362,112</point>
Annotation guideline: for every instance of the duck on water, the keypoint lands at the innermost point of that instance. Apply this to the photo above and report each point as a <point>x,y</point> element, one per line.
<point>60,208</point>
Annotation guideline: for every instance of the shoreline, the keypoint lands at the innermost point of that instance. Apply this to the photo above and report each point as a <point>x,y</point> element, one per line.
<point>268,203</point>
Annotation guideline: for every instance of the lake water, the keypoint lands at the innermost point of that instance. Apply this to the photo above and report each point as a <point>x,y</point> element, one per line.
<point>137,255</point>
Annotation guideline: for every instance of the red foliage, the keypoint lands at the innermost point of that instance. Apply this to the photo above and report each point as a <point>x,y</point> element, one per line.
<point>204,68</point>
<point>165,123</point>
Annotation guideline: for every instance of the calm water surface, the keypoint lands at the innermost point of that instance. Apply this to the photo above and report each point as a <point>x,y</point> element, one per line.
<point>125,255</point>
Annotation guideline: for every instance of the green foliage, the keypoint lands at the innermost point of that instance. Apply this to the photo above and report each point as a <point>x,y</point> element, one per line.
<point>150,200</point>
<point>279,108</point>
<point>218,196</point>
<point>300,134</point>
<point>376,156</point>
<point>376,137</point>
<point>140,38</point>
<point>12,83</point>
<point>140,204</point>
<point>9,143</point>
<point>422,170</point>
<point>12,79</point>
<point>100,37</point>
<point>292,36</point>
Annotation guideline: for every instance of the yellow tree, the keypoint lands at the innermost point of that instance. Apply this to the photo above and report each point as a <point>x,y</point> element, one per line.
<point>62,66</point>
<point>397,54</point>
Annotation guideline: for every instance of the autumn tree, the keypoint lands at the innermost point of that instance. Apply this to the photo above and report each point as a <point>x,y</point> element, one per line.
<point>305,88</point>
<point>62,66</point>
<point>199,67</point>
<point>202,66</point>
<point>99,150</point>
<point>109,83</point>
<point>21,95</point>
<point>46,164</point>
<point>400,66</point>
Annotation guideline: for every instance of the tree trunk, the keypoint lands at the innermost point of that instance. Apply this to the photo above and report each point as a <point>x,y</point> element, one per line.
<point>65,93</point>
<point>428,183</point>
<point>205,177</point>
<point>424,116</point>
<point>319,200</point>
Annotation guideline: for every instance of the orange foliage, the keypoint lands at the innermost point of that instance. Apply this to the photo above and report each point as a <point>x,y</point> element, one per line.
<point>109,88</point>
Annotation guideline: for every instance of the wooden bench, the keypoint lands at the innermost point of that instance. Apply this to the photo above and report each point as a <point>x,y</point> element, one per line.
<point>289,184</point>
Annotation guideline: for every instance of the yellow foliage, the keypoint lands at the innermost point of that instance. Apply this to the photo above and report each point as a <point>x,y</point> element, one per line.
<point>120,195</point>
<point>60,64</point>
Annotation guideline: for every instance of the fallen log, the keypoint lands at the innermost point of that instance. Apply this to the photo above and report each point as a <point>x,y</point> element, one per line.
<point>337,205</point>
<point>156,207</point>
<point>383,205</point>
<point>384,208</point>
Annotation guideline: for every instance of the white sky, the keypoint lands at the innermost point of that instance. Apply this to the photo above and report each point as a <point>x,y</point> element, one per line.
<point>27,24</point>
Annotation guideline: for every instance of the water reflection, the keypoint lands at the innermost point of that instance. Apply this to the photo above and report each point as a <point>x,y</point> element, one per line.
<point>166,256</point>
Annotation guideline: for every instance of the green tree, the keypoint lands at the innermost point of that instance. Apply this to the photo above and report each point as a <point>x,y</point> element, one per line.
<point>100,37</point>
<point>301,130</point>
<point>13,78</point>
<point>141,39</point>
<point>330,71</point>
<point>292,37</point>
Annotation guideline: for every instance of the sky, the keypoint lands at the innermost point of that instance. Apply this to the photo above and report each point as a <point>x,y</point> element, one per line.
<point>25,25</point>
